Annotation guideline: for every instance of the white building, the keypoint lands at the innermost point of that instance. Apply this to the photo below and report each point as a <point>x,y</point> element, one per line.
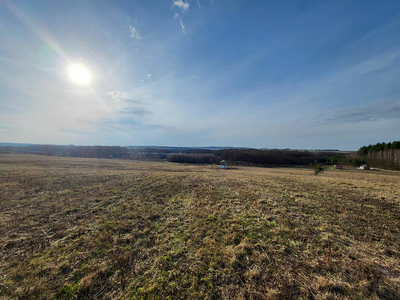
<point>224,164</point>
<point>364,167</point>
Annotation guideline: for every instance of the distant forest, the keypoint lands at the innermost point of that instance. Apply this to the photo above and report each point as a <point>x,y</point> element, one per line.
<point>270,158</point>
<point>381,155</point>
<point>256,157</point>
<point>248,157</point>
<point>88,151</point>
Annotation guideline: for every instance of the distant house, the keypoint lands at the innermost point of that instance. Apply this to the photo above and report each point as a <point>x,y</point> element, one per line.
<point>364,167</point>
<point>224,164</point>
<point>340,167</point>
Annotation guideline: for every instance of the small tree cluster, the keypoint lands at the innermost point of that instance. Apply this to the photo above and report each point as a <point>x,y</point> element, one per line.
<point>319,168</point>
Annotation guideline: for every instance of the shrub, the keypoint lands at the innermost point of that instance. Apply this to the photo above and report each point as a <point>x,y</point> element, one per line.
<point>318,169</point>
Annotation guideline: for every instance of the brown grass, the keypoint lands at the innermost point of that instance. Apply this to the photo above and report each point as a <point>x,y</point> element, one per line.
<point>88,228</point>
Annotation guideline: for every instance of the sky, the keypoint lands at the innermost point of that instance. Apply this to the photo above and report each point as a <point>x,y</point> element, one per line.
<point>264,74</point>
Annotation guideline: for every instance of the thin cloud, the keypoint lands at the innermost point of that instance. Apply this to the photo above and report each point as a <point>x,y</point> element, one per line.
<point>182,26</point>
<point>138,111</point>
<point>383,111</point>
<point>182,5</point>
<point>199,4</point>
<point>134,33</point>
<point>117,95</point>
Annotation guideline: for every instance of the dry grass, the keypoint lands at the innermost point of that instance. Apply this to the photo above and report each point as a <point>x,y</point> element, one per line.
<point>87,228</point>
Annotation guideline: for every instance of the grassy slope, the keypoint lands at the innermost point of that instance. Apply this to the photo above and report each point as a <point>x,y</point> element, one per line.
<point>125,229</point>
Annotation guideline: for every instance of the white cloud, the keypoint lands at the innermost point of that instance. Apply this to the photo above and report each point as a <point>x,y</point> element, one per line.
<point>182,5</point>
<point>134,33</point>
<point>183,26</point>
<point>117,95</point>
<point>176,15</point>
<point>149,75</point>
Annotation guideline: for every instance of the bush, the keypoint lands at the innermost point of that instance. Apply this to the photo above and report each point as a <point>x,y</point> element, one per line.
<point>318,169</point>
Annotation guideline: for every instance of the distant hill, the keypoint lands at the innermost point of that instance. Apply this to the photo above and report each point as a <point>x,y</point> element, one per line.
<point>14,144</point>
<point>171,149</point>
<point>184,149</point>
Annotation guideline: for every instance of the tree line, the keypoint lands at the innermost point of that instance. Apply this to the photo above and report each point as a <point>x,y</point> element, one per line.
<point>364,150</point>
<point>250,157</point>
<point>383,155</point>
<point>277,157</point>
<point>109,152</point>
<point>257,157</point>
<point>192,158</point>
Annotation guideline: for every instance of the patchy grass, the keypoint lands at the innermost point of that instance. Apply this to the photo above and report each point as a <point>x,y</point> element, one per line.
<point>88,228</point>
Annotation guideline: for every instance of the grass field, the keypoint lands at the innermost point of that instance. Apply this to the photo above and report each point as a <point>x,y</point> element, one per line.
<point>88,228</point>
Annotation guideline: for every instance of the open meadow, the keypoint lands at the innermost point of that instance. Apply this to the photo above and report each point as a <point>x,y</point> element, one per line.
<point>75,228</point>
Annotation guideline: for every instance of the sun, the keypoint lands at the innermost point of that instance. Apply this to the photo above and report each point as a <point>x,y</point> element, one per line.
<point>79,74</point>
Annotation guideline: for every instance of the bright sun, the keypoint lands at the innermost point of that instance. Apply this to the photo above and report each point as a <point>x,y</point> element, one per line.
<point>79,74</point>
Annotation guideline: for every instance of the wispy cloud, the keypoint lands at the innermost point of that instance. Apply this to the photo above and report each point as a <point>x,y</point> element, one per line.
<point>182,26</point>
<point>134,33</point>
<point>117,95</point>
<point>182,5</point>
<point>199,4</point>
<point>381,111</point>
<point>138,111</point>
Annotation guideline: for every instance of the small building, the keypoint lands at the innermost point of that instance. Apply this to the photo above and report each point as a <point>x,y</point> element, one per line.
<point>224,164</point>
<point>364,167</point>
<point>340,167</point>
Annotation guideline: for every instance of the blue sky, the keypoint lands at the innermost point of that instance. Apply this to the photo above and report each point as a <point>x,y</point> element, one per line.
<point>276,74</point>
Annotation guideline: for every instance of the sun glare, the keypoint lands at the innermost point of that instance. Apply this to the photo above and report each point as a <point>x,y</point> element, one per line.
<point>79,74</point>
